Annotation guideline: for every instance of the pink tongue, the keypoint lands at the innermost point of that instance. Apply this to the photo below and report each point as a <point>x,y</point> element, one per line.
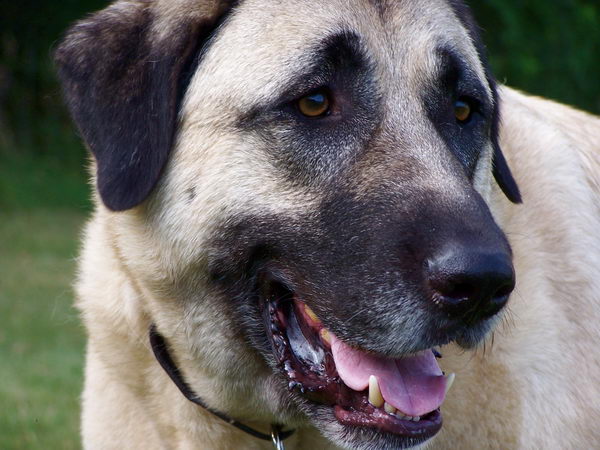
<point>414,385</point>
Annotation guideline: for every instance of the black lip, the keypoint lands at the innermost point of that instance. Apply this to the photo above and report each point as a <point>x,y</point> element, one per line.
<point>425,429</point>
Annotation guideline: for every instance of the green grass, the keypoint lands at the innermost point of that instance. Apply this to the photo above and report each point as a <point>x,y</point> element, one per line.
<point>41,338</point>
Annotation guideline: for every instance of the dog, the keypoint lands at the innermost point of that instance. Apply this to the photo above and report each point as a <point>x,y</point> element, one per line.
<point>312,217</point>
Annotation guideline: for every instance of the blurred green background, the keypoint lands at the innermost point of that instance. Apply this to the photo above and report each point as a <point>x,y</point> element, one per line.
<point>549,48</point>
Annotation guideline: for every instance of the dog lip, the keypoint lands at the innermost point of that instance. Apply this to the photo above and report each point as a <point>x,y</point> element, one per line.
<point>424,429</point>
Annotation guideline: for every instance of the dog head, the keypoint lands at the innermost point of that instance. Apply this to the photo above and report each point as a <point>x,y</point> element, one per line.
<point>300,190</point>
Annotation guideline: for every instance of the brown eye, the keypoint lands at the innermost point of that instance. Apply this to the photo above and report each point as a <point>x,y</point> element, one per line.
<point>314,105</point>
<point>462,111</point>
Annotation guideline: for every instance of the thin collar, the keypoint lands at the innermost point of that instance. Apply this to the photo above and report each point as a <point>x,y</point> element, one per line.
<point>161,352</point>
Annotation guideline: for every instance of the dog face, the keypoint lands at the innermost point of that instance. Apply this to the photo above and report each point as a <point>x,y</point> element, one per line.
<point>303,194</point>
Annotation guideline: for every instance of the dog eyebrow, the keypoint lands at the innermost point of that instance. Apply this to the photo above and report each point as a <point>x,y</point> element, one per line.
<point>334,56</point>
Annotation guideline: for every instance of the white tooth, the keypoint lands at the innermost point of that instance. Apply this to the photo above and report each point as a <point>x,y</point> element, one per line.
<point>400,415</point>
<point>389,408</point>
<point>416,419</point>
<point>449,380</point>
<point>375,397</point>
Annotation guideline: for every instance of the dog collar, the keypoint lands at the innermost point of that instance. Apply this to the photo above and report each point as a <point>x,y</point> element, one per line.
<point>161,352</point>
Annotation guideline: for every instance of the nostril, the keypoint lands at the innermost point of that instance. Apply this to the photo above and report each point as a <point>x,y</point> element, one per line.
<point>496,302</point>
<point>490,308</point>
<point>460,291</point>
<point>454,297</point>
<point>505,290</point>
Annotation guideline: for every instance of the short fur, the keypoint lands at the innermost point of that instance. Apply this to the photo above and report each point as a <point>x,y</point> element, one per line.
<point>205,175</point>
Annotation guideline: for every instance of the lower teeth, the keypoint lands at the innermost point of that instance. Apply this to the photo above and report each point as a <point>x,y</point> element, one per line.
<point>412,418</point>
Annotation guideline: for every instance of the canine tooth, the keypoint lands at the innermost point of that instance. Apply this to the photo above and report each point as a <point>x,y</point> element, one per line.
<point>449,380</point>
<point>310,313</point>
<point>375,397</point>
<point>389,408</point>
<point>325,336</point>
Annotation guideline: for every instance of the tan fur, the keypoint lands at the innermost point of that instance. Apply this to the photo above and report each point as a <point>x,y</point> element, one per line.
<point>534,386</point>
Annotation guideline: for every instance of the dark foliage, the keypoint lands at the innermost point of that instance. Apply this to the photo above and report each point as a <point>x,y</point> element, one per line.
<point>548,48</point>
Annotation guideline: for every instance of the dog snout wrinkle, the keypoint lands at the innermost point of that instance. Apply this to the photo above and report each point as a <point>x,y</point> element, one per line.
<point>470,283</point>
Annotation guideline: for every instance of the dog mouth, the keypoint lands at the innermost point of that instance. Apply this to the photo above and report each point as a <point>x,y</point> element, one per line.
<point>401,396</point>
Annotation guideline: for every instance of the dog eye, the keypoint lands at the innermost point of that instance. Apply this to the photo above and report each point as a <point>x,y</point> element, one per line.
<point>315,104</point>
<point>462,110</point>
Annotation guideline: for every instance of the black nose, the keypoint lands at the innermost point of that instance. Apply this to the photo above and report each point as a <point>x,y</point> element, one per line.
<point>471,284</point>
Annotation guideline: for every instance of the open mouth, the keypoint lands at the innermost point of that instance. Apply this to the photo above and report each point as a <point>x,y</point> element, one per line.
<point>401,396</point>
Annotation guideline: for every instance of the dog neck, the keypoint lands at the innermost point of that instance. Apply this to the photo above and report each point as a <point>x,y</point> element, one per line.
<point>160,348</point>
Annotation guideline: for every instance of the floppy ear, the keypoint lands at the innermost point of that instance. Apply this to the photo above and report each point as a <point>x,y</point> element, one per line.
<point>500,169</point>
<point>124,71</point>
<point>504,177</point>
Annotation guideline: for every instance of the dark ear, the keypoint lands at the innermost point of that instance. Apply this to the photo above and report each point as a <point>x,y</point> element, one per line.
<point>500,169</point>
<point>124,71</point>
<point>504,177</point>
